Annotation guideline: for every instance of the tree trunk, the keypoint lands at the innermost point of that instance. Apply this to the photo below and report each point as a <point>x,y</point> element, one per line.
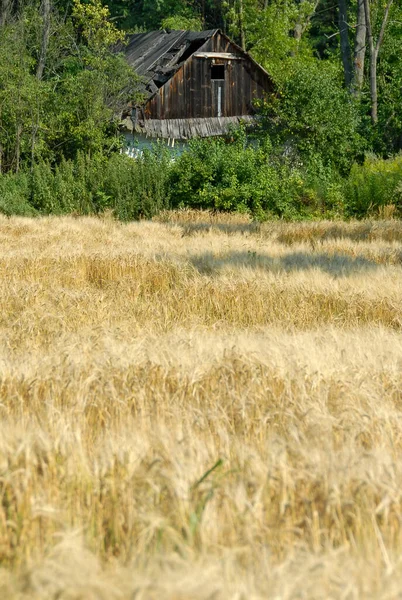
<point>373,87</point>
<point>301,26</point>
<point>5,6</point>
<point>345,45</point>
<point>34,131</point>
<point>45,39</point>
<point>18,134</point>
<point>241,26</point>
<point>298,31</point>
<point>360,48</point>
<point>374,49</point>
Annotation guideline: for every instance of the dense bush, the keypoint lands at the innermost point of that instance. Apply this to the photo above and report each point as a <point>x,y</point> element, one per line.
<point>73,186</point>
<point>137,188</point>
<point>215,174</point>
<point>87,185</point>
<point>268,181</point>
<point>254,178</point>
<point>15,194</point>
<point>212,174</point>
<point>373,185</point>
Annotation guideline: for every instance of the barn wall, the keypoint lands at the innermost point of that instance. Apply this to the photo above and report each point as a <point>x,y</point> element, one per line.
<point>191,93</point>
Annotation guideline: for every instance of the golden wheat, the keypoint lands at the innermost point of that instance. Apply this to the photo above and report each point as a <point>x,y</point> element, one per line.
<point>200,408</point>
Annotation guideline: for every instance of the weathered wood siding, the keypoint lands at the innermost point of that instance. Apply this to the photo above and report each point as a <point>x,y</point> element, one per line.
<point>191,93</point>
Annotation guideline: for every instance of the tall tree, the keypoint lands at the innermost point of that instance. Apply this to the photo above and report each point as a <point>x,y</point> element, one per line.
<point>360,48</point>
<point>345,44</point>
<point>45,38</point>
<point>374,49</point>
<point>241,25</point>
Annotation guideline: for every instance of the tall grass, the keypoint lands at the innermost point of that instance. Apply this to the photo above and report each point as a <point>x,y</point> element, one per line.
<point>199,412</point>
<point>374,185</point>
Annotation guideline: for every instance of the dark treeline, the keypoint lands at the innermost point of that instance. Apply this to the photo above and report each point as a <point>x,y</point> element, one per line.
<point>327,142</point>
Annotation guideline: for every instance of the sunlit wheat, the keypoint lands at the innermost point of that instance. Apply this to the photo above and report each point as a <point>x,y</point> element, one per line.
<point>200,408</point>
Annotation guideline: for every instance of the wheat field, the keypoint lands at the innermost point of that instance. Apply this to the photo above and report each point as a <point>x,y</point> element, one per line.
<point>200,408</point>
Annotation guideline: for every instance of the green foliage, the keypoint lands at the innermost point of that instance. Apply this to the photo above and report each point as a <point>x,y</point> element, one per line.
<point>374,184</point>
<point>212,174</point>
<point>182,22</point>
<point>21,108</point>
<point>388,137</point>
<point>259,180</point>
<point>70,187</point>
<point>75,107</point>
<point>156,14</point>
<point>221,176</point>
<point>88,102</point>
<point>93,19</point>
<point>269,34</point>
<point>90,185</point>
<point>252,178</point>
<point>312,116</point>
<point>15,194</point>
<point>137,188</point>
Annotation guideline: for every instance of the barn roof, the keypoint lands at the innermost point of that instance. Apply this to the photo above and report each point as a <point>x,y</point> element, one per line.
<point>157,55</point>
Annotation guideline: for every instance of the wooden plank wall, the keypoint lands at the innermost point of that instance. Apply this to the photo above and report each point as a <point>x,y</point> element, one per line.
<point>191,93</point>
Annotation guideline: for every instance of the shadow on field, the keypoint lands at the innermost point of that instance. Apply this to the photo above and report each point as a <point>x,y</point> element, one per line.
<point>190,229</point>
<point>308,232</point>
<point>358,231</point>
<point>338,265</point>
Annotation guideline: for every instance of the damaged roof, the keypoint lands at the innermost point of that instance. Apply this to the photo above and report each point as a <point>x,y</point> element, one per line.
<point>157,55</point>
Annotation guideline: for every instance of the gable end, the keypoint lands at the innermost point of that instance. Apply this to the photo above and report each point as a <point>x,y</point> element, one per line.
<point>217,80</point>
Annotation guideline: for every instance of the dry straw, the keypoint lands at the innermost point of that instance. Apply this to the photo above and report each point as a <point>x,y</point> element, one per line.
<point>200,409</point>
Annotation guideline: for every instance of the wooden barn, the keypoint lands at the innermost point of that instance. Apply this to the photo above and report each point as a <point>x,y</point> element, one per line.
<point>194,84</point>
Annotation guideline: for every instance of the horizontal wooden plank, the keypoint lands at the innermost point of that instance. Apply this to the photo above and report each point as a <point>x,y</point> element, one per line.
<point>224,55</point>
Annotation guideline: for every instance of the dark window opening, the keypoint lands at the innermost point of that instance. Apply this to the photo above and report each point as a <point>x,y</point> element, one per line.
<point>218,72</point>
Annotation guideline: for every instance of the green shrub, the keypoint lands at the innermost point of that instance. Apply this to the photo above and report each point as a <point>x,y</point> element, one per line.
<point>88,185</point>
<point>218,175</point>
<point>246,177</point>
<point>374,184</point>
<point>137,188</point>
<point>15,194</point>
<point>211,174</point>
